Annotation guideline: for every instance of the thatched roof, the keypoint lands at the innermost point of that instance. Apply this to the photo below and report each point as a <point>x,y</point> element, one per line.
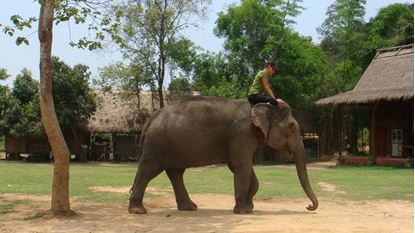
<point>390,76</point>
<point>117,113</point>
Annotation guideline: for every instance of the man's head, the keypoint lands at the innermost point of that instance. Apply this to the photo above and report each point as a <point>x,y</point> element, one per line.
<point>270,66</point>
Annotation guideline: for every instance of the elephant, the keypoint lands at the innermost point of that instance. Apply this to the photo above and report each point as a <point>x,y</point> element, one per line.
<point>202,131</point>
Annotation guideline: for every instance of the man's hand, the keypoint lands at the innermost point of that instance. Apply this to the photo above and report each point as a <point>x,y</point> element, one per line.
<point>280,101</point>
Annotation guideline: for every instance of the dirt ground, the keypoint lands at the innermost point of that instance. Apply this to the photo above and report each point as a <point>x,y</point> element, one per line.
<point>214,215</point>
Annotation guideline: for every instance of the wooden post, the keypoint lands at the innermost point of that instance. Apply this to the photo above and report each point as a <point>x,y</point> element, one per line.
<point>114,144</point>
<point>340,118</point>
<point>372,135</point>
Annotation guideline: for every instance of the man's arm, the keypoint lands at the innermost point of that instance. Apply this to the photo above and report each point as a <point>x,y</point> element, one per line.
<point>268,90</point>
<point>266,87</point>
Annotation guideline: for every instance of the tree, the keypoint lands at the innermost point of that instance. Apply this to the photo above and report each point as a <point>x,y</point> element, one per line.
<point>212,76</point>
<point>25,88</point>
<point>258,30</point>
<point>22,114</point>
<point>4,93</point>
<point>60,185</point>
<point>65,11</point>
<point>150,28</point>
<point>392,26</point>
<point>342,30</point>
<point>180,87</point>
<point>127,78</point>
<point>255,31</point>
<point>75,101</point>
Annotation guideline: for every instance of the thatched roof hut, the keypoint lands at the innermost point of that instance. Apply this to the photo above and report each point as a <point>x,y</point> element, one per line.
<point>387,89</point>
<point>390,76</point>
<point>117,113</point>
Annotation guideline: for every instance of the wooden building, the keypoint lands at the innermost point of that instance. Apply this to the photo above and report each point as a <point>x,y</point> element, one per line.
<point>387,89</point>
<point>118,115</point>
<point>38,149</point>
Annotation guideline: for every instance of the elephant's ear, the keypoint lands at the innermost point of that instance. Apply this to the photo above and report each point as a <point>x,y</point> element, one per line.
<point>260,119</point>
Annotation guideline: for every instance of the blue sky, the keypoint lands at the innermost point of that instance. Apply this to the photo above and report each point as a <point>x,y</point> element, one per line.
<point>15,58</point>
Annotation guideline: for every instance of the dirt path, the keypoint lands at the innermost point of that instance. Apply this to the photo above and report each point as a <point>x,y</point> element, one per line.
<point>214,215</point>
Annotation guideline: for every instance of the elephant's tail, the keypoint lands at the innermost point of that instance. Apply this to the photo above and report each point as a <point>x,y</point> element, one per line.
<point>145,129</point>
<point>143,137</point>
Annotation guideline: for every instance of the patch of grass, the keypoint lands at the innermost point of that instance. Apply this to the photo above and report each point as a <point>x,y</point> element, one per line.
<point>373,182</point>
<point>351,183</point>
<point>10,206</point>
<point>35,216</point>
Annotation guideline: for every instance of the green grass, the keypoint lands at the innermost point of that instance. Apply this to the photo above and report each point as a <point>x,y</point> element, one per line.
<point>9,206</point>
<point>352,183</point>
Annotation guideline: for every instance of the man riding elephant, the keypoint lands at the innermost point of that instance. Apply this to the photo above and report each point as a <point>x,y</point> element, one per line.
<point>209,130</point>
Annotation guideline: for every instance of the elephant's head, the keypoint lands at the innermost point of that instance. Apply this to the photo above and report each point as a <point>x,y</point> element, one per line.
<point>281,131</point>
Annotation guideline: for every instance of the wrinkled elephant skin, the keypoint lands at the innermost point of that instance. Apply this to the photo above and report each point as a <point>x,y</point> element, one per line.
<point>201,131</point>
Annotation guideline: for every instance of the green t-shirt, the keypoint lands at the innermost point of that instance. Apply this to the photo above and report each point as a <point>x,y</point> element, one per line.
<point>256,87</point>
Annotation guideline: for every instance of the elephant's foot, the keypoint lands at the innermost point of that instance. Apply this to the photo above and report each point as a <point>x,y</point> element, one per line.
<point>136,207</point>
<point>251,205</point>
<point>242,210</point>
<point>187,206</point>
<point>137,210</point>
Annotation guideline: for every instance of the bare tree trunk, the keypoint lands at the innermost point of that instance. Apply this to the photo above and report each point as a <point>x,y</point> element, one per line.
<point>60,186</point>
<point>161,72</point>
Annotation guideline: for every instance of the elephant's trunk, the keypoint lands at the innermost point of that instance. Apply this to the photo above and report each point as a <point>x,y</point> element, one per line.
<point>300,163</point>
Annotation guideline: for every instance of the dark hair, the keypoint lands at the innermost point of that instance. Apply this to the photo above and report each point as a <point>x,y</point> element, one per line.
<point>270,63</point>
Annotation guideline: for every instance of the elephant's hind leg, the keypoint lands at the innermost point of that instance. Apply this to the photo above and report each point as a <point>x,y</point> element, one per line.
<point>182,197</point>
<point>146,172</point>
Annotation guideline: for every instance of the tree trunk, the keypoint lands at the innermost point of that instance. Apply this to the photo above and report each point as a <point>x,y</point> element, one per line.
<point>76,147</point>
<point>60,186</point>
<point>161,73</point>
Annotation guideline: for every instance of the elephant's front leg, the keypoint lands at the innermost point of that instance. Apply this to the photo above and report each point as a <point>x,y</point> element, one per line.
<point>240,159</point>
<point>242,182</point>
<point>253,187</point>
<point>182,197</point>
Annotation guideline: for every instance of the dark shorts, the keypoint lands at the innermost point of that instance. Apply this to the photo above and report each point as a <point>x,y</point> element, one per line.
<point>258,98</point>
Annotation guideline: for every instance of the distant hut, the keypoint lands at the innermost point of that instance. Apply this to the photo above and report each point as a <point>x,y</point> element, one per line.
<point>122,117</point>
<point>387,88</point>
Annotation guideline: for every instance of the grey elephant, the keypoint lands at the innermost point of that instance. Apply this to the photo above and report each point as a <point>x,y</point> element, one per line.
<point>209,130</point>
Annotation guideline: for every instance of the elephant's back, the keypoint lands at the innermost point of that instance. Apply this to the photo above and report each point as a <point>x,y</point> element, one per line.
<point>195,128</point>
<point>206,111</point>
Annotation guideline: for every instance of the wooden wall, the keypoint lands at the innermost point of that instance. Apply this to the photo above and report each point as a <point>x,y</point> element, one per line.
<point>393,115</point>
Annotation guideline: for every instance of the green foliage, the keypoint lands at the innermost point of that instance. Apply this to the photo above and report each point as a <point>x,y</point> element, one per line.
<point>128,78</point>
<point>246,29</point>
<point>180,85</point>
<point>3,74</point>
<point>181,54</point>
<point>4,94</point>
<point>392,26</point>
<point>25,88</point>
<point>74,99</point>
<point>93,12</point>
<point>149,34</point>
<point>394,22</point>
<point>22,112</point>
<point>209,74</point>
<point>259,30</point>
